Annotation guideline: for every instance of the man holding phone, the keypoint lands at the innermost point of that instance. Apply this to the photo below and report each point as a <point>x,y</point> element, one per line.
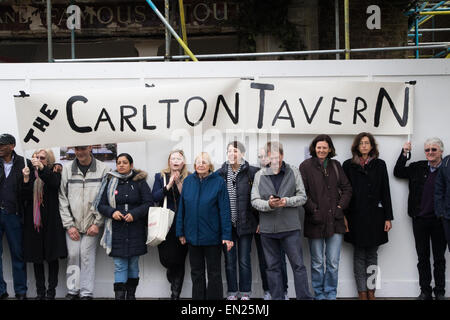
<point>278,194</point>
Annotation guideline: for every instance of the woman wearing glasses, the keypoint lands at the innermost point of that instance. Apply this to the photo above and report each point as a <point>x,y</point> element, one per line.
<point>369,214</point>
<point>44,235</point>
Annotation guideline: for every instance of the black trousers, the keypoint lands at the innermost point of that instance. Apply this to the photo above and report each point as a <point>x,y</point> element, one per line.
<point>426,230</point>
<point>39,274</point>
<point>212,255</point>
<point>172,255</point>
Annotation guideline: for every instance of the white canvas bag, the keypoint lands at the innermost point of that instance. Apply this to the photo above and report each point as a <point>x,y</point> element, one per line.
<point>159,222</point>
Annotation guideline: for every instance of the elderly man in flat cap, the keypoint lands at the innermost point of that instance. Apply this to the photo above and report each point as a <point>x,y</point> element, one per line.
<point>15,199</point>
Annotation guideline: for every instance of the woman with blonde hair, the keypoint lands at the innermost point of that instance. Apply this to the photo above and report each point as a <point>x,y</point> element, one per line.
<point>168,184</point>
<point>204,223</point>
<point>44,235</point>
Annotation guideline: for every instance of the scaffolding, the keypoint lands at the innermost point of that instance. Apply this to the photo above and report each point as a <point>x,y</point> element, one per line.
<point>422,12</point>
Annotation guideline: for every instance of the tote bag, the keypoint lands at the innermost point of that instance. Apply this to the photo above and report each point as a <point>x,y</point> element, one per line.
<point>159,222</point>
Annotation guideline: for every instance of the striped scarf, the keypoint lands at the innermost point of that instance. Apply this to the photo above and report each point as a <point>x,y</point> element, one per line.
<point>38,194</point>
<point>231,186</point>
<point>110,182</point>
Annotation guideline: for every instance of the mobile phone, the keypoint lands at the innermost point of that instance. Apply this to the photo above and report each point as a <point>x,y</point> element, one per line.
<point>276,196</point>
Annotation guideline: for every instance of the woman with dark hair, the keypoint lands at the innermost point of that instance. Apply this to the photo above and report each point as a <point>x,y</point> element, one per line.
<point>124,197</point>
<point>238,175</point>
<point>44,237</point>
<point>370,211</point>
<point>329,192</point>
<point>172,254</point>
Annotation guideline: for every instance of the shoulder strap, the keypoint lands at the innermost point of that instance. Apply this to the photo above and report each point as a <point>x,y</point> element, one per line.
<point>164,185</point>
<point>337,172</point>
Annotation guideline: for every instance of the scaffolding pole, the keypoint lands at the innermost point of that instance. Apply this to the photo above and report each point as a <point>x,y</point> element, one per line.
<point>347,29</point>
<point>49,31</point>
<point>336,23</point>
<point>180,41</point>
<point>253,55</point>
<point>167,32</point>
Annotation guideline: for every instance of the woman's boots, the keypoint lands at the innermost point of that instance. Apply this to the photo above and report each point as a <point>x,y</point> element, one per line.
<point>362,295</point>
<point>366,295</point>
<point>126,291</point>
<point>131,285</point>
<point>120,290</point>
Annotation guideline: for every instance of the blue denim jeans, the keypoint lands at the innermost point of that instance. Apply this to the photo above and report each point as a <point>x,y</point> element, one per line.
<point>324,282</point>
<point>244,247</point>
<point>291,243</point>
<point>11,225</point>
<point>125,268</point>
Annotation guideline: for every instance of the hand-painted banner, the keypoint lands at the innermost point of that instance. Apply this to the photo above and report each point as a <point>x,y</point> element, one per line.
<point>288,106</point>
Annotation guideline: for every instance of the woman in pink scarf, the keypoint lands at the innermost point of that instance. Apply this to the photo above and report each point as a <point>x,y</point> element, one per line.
<point>44,235</point>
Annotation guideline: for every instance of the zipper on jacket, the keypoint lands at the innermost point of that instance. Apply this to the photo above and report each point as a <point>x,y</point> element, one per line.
<point>198,205</point>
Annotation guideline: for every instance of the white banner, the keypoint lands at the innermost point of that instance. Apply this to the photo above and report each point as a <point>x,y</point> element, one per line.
<point>287,106</point>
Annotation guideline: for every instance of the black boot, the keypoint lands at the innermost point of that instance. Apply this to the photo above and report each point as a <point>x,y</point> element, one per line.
<point>131,288</point>
<point>53,270</point>
<point>120,290</point>
<point>176,284</point>
<point>39,275</point>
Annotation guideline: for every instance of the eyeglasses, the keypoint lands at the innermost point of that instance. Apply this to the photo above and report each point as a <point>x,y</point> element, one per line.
<point>431,149</point>
<point>41,158</point>
<point>364,142</point>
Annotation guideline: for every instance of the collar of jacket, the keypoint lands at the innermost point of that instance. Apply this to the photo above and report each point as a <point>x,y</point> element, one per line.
<point>267,170</point>
<point>209,176</point>
<point>224,168</point>
<point>356,160</point>
<point>139,175</point>
<point>319,164</point>
<point>92,167</point>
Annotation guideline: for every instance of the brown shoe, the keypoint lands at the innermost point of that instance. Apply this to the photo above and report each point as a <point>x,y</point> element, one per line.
<point>362,295</point>
<point>371,295</point>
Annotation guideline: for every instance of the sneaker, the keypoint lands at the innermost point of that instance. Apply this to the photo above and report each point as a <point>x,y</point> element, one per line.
<point>232,297</point>
<point>245,297</point>
<point>267,295</point>
<point>86,298</point>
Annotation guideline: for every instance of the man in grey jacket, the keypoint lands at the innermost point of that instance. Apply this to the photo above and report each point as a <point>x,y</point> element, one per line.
<point>278,194</point>
<point>80,182</point>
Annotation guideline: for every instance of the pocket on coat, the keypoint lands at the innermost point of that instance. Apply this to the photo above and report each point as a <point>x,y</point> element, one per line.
<point>316,218</point>
<point>339,214</point>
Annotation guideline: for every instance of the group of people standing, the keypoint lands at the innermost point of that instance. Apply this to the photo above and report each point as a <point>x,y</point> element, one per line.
<point>49,212</point>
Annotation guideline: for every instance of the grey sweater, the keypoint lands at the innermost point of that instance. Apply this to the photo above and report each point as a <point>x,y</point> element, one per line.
<point>276,220</point>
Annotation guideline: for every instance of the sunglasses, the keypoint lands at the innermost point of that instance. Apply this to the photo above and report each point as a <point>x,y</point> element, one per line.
<point>41,158</point>
<point>431,149</point>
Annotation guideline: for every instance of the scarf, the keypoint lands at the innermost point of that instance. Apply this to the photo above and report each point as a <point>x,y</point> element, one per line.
<point>38,194</point>
<point>363,162</point>
<point>231,186</point>
<point>109,182</point>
